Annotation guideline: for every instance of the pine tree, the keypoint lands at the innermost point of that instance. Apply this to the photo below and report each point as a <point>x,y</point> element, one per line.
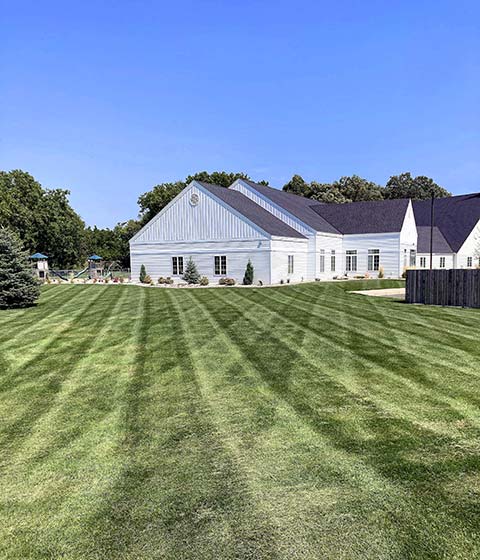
<point>143,273</point>
<point>248,276</point>
<point>191,274</point>
<point>18,287</point>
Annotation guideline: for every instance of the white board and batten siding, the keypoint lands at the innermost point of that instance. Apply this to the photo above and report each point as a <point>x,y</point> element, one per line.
<point>470,249</point>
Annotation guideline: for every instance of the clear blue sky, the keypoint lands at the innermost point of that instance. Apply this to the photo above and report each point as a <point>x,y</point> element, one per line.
<point>108,98</point>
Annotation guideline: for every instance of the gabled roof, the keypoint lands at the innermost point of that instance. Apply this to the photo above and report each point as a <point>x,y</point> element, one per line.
<point>94,258</point>
<point>39,256</point>
<point>455,217</point>
<point>379,216</point>
<point>298,206</point>
<point>252,211</point>
<point>440,244</point>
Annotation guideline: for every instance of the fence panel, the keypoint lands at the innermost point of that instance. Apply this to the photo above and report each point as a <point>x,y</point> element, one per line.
<point>459,288</point>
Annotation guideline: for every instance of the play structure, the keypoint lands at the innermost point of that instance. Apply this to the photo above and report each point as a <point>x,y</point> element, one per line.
<point>96,269</point>
<point>95,266</point>
<point>39,265</point>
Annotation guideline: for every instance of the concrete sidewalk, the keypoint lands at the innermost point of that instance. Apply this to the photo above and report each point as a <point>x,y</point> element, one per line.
<point>397,293</point>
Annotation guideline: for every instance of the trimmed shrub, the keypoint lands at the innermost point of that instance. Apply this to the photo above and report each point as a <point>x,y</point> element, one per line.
<point>18,287</point>
<point>381,272</point>
<point>143,274</point>
<point>203,281</point>
<point>191,275</point>
<point>227,281</point>
<point>147,280</point>
<point>248,276</point>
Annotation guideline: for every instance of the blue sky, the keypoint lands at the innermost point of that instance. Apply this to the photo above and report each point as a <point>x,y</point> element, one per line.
<point>109,98</point>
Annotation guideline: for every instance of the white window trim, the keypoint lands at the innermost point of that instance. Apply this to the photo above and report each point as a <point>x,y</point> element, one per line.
<point>221,273</point>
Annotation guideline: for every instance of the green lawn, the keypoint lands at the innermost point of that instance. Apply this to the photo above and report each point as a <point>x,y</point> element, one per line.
<point>298,422</point>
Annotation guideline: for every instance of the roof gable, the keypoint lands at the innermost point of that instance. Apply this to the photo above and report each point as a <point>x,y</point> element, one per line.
<point>454,216</point>
<point>252,211</point>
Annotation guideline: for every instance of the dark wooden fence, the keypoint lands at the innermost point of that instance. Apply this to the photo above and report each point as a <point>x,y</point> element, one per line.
<point>459,288</point>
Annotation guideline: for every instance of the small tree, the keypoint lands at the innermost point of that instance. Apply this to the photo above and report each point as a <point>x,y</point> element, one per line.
<point>191,274</point>
<point>248,276</point>
<point>18,287</point>
<point>143,273</point>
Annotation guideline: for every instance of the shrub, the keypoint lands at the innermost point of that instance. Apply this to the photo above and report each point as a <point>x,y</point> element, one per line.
<point>121,279</point>
<point>248,276</point>
<point>191,275</point>
<point>168,280</point>
<point>203,281</point>
<point>18,287</point>
<point>230,282</point>
<point>161,280</point>
<point>367,275</point>
<point>381,272</point>
<point>143,274</point>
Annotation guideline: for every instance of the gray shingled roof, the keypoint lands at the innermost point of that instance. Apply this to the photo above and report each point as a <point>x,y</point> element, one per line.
<point>379,216</point>
<point>252,211</point>
<point>455,217</point>
<point>440,244</point>
<point>298,206</point>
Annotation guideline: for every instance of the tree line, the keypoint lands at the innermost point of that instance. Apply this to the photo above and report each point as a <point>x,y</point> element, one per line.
<point>45,221</point>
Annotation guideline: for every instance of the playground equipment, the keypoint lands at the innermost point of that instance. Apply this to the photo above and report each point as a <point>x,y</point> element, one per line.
<point>39,265</point>
<point>95,266</point>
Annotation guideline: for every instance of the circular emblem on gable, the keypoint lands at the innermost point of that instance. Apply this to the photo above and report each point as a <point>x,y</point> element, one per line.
<point>194,199</point>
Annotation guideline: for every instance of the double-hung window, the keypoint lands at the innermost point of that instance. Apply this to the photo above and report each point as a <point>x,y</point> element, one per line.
<point>423,262</point>
<point>351,261</point>
<point>442,262</point>
<point>373,259</point>
<point>177,266</point>
<point>332,260</point>
<point>290,264</point>
<point>469,262</point>
<point>322,260</point>
<point>220,265</point>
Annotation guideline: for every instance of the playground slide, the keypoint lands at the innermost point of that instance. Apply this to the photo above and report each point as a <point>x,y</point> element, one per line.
<point>58,274</point>
<point>81,272</point>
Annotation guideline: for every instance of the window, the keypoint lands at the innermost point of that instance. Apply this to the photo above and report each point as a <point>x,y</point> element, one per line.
<point>177,266</point>
<point>373,259</point>
<point>469,262</point>
<point>413,257</point>
<point>351,261</point>
<point>423,262</point>
<point>220,265</point>
<point>290,264</point>
<point>332,261</point>
<point>322,260</point>
<point>442,262</point>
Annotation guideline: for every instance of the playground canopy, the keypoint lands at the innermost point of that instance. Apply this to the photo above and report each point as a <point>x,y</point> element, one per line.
<point>94,258</point>
<point>38,256</point>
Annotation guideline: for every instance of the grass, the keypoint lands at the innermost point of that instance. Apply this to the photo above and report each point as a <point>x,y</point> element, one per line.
<point>298,422</point>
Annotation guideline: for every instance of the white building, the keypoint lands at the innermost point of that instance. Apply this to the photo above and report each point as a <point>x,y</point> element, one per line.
<point>287,237</point>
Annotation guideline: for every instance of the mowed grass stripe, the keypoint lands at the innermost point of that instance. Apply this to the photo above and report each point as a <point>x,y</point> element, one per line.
<point>30,384</point>
<point>82,449</point>
<point>24,322</point>
<point>286,498</point>
<point>393,430</point>
<point>357,335</point>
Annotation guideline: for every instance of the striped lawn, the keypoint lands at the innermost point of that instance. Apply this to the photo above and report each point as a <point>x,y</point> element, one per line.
<point>298,422</point>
